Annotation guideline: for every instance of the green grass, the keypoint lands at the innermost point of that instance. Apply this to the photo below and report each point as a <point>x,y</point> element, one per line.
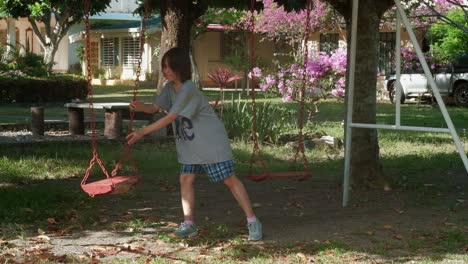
<point>410,159</point>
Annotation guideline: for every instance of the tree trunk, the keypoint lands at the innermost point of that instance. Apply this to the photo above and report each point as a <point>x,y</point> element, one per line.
<point>176,29</point>
<point>49,55</point>
<point>366,169</point>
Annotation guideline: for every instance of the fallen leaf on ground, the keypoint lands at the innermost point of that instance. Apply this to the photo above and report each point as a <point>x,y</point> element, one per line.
<point>302,257</point>
<point>103,220</point>
<point>40,239</point>
<point>51,221</point>
<point>104,251</point>
<point>62,231</point>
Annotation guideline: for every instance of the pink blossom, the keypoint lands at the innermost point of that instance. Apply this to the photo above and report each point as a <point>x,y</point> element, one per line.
<point>287,99</point>
<point>338,92</point>
<point>270,80</point>
<point>323,72</point>
<point>256,72</point>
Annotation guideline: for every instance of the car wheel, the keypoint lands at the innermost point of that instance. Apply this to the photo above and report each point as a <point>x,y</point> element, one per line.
<point>461,94</point>
<point>392,93</point>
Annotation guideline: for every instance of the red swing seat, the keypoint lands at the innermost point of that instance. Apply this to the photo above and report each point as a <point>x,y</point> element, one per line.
<point>111,185</point>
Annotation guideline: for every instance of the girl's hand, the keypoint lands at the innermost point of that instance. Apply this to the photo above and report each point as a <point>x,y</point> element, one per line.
<point>134,136</point>
<point>137,106</point>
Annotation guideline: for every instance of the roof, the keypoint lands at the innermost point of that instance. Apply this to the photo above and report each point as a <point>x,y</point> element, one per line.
<point>115,16</point>
<point>220,27</point>
<point>153,22</point>
<point>152,25</point>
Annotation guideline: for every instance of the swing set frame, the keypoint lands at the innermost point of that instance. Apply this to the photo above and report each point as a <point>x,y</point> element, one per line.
<point>401,17</point>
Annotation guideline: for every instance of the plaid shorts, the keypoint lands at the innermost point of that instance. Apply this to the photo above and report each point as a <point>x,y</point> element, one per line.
<point>216,171</point>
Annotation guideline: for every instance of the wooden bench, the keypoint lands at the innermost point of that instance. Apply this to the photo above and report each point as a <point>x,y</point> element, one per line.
<point>114,115</point>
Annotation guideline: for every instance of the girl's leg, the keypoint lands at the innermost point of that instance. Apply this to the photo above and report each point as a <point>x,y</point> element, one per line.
<point>240,194</point>
<point>187,195</point>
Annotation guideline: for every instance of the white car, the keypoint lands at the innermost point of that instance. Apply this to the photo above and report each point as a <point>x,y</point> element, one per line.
<point>451,81</point>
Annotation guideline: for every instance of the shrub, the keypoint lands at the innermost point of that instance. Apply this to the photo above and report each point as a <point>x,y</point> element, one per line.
<point>29,63</point>
<point>29,90</point>
<point>271,121</point>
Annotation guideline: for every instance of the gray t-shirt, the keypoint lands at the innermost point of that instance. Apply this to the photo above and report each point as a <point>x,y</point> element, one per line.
<point>200,135</point>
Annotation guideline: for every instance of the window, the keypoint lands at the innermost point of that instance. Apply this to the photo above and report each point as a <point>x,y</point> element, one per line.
<point>329,42</point>
<point>29,36</point>
<point>386,52</point>
<point>110,52</point>
<point>231,44</point>
<point>3,37</point>
<point>94,52</point>
<point>130,51</point>
<point>17,36</point>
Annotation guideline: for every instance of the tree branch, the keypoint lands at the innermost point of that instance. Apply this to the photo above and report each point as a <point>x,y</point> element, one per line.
<point>445,18</point>
<point>37,31</point>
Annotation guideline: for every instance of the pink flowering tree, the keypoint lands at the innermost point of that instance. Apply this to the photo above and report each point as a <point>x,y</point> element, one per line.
<point>275,23</point>
<point>424,13</point>
<point>410,60</point>
<point>325,76</point>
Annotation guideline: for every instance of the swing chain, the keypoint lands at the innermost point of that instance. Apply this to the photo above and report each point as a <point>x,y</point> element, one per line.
<point>126,154</point>
<point>256,148</point>
<point>91,106</point>
<point>300,147</point>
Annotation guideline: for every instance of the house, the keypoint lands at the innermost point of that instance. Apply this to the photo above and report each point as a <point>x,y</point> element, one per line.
<point>114,42</point>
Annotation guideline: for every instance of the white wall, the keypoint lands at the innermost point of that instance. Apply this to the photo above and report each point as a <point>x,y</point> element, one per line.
<point>122,6</point>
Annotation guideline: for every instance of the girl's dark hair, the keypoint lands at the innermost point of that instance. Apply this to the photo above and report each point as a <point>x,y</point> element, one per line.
<point>179,61</point>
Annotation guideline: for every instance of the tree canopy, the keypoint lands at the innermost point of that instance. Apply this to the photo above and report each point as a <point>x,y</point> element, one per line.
<point>448,41</point>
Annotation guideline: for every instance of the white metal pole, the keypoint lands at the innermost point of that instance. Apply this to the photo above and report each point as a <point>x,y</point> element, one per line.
<point>397,87</point>
<point>408,128</point>
<point>349,113</point>
<point>433,85</point>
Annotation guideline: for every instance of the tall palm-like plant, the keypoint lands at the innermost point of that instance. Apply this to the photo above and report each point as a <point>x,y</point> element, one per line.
<point>222,77</point>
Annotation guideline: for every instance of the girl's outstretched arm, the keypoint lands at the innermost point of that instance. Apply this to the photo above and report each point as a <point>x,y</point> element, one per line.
<point>138,134</point>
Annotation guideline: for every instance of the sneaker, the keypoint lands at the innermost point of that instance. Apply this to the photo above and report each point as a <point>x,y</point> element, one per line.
<point>186,230</point>
<point>255,230</point>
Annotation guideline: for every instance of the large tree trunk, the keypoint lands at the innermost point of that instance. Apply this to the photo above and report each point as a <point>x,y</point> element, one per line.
<point>366,168</point>
<point>176,29</point>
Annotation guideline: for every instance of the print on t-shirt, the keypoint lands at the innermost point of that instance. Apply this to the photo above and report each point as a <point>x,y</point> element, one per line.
<point>184,128</point>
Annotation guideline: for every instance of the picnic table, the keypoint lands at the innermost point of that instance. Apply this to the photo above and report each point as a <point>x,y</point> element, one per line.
<point>114,115</point>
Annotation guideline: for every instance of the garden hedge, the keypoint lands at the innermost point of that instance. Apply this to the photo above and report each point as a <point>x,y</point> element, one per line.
<point>56,89</point>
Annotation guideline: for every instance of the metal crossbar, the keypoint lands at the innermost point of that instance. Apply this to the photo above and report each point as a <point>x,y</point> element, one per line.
<point>401,17</point>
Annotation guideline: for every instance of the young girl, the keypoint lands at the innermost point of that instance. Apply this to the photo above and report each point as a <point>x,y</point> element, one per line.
<point>201,140</point>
